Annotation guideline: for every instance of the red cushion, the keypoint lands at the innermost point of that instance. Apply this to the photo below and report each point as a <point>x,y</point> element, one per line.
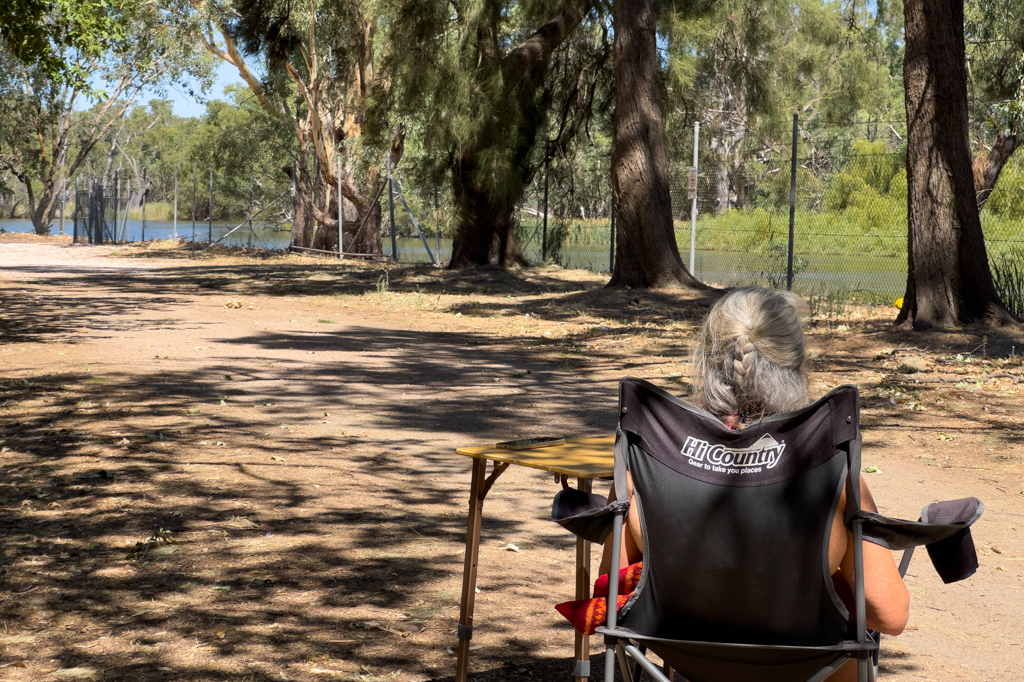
<point>586,615</point>
<point>628,579</point>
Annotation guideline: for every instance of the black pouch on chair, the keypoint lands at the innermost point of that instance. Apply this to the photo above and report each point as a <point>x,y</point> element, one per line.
<point>955,557</point>
<point>586,515</point>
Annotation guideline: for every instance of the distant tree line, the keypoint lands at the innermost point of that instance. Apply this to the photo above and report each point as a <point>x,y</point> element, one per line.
<point>485,95</point>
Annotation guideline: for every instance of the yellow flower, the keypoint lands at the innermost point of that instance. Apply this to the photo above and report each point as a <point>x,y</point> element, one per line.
<point>898,303</point>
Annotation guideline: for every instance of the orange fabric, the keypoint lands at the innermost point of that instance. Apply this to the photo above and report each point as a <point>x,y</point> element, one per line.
<point>628,579</point>
<point>586,615</point>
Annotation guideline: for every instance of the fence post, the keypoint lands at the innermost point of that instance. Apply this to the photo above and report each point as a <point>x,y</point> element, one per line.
<point>117,203</point>
<point>544,232</point>
<point>250,206</point>
<point>341,213</point>
<point>125,231</point>
<point>174,234</point>
<point>391,208</point>
<point>611,247</point>
<point>63,202</point>
<point>194,187</point>
<point>437,228</point>
<point>145,191</point>
<point>209,234</point>
<point>792,208</point>
<point>74,217</point>
<point>295,200</point>
<point>693,206</point>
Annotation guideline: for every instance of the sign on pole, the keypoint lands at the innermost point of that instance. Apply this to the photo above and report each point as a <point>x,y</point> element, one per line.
<point>691,184</point>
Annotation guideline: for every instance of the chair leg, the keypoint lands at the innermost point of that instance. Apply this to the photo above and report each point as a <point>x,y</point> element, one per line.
<point>637,670</point>
<point>645,663</point>
<point>627,674</point>
<point>609,664</point>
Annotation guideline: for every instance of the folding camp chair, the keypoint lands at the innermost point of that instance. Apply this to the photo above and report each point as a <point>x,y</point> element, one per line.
<point>735,582</point>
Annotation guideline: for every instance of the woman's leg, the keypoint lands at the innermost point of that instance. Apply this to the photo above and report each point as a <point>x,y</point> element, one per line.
<point>631,550</point>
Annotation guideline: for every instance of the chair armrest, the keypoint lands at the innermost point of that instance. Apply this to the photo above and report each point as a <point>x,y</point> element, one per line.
<point>944,529</point>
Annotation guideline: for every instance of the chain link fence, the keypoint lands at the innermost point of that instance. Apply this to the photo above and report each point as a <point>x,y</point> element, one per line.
<point>850,217</point>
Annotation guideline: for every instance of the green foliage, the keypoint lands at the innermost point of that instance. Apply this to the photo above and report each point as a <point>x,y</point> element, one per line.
<point>1007,198</point>
<point>1008,276</point>
<point>39,33</point>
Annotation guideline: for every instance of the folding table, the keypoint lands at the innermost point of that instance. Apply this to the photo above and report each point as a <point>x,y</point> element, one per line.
<point>581,458</point>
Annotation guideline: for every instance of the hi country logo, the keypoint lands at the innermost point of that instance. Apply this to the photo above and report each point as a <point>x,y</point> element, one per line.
<point>765,453</point>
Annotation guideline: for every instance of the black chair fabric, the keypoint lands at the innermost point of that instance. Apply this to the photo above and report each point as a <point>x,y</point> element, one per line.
<point>735,582</point>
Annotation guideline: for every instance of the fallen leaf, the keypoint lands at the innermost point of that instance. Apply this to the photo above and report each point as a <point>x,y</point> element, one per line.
<point>20,664</point>
<point>220,634</point>
<point>276,458</point>
<point>76,673</point>
<point>996,549</point>
<point>512,548</point>
<point>872,470</point>
<point>204,347</point>
<point>222,588</point>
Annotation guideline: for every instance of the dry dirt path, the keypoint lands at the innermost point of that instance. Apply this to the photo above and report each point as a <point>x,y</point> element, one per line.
<point>290,424</point>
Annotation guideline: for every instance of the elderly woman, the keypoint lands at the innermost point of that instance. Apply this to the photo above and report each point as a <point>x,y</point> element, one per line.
<point>749,363</point>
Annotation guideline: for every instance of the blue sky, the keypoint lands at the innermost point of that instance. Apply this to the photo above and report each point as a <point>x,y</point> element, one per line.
<point>185,105</point>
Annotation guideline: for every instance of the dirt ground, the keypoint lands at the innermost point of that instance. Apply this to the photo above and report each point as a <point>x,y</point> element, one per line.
<point>243,468</point>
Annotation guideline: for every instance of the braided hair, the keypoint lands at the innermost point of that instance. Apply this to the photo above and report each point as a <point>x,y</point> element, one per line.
<point>749,355</point>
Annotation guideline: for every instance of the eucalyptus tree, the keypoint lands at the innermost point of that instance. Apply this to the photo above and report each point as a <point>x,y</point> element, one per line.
<point>36,145</point>
<point>949,282</point>
<point>495,88</point>
<point>744,67</point>
<point>310,65</point>
<point>994,34</point>
<point>42,34</point>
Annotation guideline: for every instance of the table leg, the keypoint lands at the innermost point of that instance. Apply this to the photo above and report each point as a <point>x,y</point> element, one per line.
<point>476,505</point>
<point>581,666</point>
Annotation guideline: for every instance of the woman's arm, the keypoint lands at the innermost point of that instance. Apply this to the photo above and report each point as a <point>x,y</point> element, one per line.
<point>886,598</point>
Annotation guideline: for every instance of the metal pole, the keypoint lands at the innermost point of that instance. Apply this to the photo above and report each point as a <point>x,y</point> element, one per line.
<point>209,234</point>
<point>437,228</point>
<point>126,234</point>
<point>611,247</point>
<point>175,233</point>
<point>341,213</point>
<point>792,208</point>
<point>295,202</point>
<point>250,206</point>
<point>391,208</point>
<point>544,229</point>
<point>194,186</point>
<point>63,202</point>
<point>117,202</point>
<point>74,218</point>
<point>145,191</point>
<point>693,207</point>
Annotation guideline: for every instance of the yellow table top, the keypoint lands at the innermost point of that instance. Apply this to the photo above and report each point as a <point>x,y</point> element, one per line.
<point>580,457</point>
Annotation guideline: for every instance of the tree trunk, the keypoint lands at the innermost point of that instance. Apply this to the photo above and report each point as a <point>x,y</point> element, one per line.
<point>43,208</point>
<point>647,254</point>
<point>722,187</point>
<point>484,232</point>
<point>992,166</point>
<point>948,278</point>
<point>485,219</point>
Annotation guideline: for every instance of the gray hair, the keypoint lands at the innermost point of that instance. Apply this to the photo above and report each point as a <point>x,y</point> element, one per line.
<point>749,356</point>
